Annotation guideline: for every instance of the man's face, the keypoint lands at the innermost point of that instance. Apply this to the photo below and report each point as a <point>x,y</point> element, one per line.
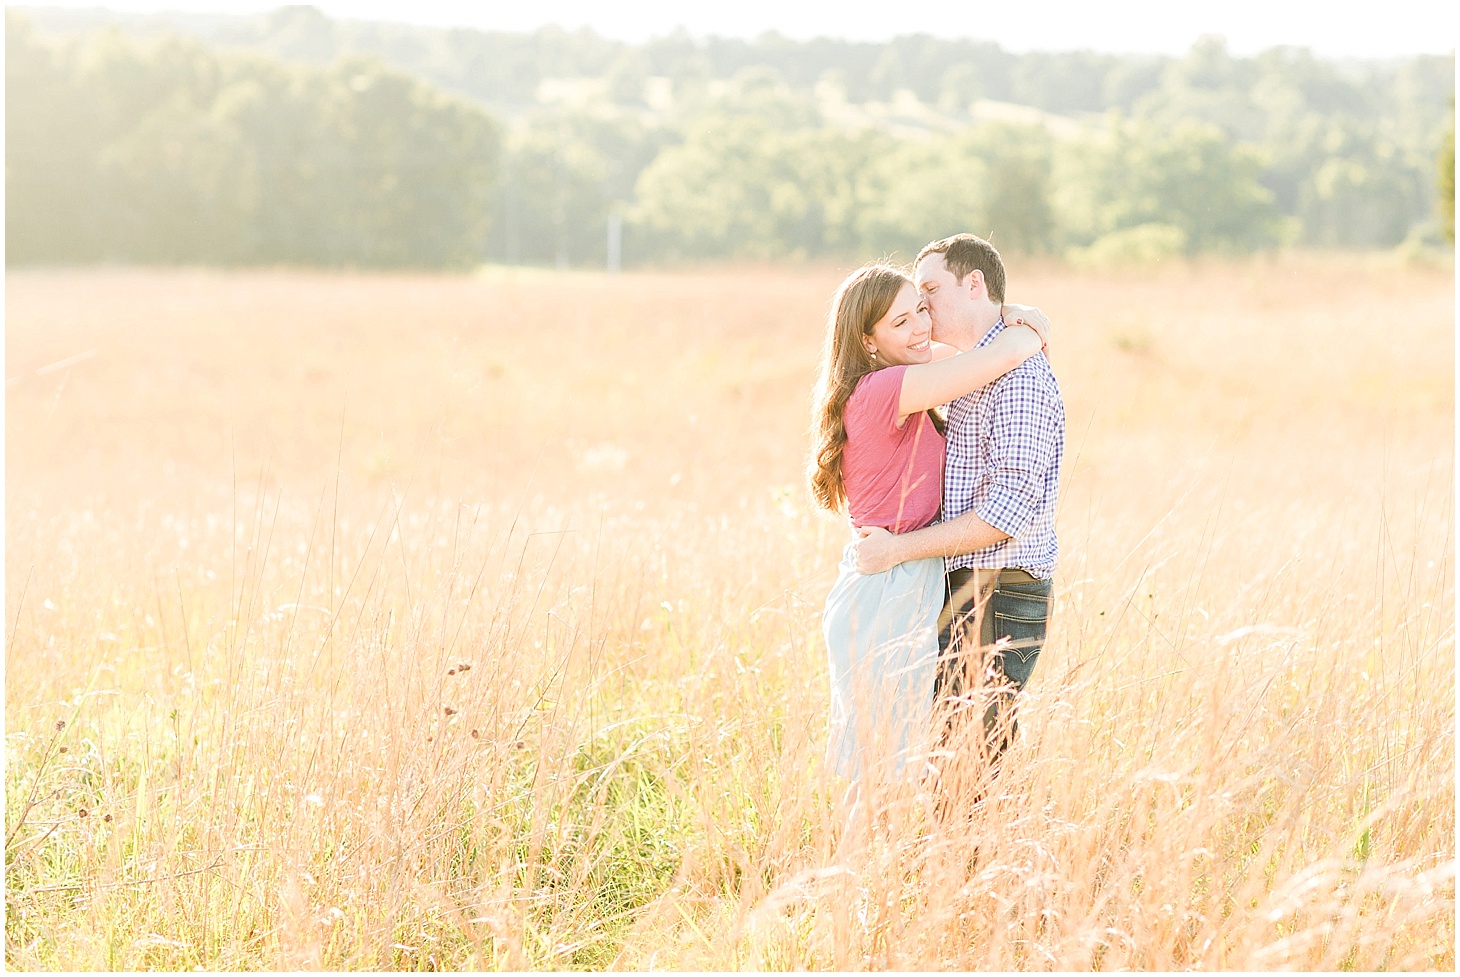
<point>948,301</point>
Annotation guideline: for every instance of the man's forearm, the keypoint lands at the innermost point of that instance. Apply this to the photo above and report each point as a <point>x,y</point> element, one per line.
<point>961,535</point>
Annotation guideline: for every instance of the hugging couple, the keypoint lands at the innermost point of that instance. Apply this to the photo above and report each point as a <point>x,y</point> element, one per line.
<point>939,610</point>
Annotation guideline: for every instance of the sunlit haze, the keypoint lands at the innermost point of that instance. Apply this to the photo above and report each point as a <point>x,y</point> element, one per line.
<point>1336,29</point>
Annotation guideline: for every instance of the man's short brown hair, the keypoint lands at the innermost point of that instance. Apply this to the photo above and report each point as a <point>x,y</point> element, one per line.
<point>963,253</point>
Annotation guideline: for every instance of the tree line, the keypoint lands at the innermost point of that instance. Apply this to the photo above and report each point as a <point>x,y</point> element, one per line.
<point>170,152</point>
<point>292,138</point>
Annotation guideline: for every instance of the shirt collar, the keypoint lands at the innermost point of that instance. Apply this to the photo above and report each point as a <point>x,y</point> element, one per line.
<point>988,337</point>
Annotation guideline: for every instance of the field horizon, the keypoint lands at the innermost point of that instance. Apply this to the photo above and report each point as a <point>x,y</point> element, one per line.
<point>427,621</point>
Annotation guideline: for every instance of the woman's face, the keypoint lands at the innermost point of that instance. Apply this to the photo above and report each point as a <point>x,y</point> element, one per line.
<point>904,335</point>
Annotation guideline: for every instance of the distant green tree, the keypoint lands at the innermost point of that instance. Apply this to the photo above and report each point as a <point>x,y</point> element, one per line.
<point>959,88</point>
<point>53,139</point>
<point>917,191</point>
<point>992,180</point>
<point>564,174</point>
<point>759,92</point>
<point>420,168</point>
<point>1445,180</point>
<point>889,74</point>
<point>1070,82</point>
<point>756,175</point>
<point>170,152</point>
<point>1129,80</point>
<point>1355,202</point>
<point>170,167</point>
<point>300,32</point>
<point>1191,177</point>
<point>627,76</point>
<point>1208,85</point>
<point>737,186</point>
<point>1019,160</point>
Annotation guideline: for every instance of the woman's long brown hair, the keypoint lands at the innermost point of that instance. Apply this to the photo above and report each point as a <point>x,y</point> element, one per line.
<point>860,301</point>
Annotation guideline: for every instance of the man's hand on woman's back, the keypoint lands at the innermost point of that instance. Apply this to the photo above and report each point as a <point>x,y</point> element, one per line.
<point>875,550</point>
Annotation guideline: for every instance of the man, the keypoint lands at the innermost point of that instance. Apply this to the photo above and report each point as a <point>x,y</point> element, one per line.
<point>1005,442</point>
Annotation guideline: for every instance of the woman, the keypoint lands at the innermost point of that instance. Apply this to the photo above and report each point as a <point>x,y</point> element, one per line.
<point>879,457</point>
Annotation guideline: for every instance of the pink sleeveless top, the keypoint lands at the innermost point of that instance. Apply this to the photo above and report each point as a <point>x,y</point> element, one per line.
<point>893,475</point>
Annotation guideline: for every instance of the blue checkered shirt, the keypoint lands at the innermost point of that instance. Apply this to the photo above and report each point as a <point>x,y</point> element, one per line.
<point>1005,442</point>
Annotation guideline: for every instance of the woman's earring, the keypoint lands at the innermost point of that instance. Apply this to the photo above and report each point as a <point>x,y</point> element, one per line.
<point>874,355</point>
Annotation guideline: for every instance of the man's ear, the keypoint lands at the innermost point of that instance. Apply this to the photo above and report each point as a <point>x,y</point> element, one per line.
<point>975,284</point>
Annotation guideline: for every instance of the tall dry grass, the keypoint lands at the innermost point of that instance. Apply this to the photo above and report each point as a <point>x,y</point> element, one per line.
<point>417,622</point>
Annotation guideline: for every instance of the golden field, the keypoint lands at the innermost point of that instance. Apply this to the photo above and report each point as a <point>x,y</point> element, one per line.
<point>258,523</point>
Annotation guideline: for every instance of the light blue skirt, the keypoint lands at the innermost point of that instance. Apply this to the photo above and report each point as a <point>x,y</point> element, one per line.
<point>882,645</point>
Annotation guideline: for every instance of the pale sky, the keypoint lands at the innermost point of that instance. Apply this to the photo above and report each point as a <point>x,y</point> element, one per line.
<point>1336,28</point>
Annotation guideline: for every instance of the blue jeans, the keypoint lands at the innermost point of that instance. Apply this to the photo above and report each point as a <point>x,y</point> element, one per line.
<point>1016,607</point>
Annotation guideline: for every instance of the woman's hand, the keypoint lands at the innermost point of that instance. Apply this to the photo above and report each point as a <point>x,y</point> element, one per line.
<point>1028,315</point>
<point>875,550</point>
